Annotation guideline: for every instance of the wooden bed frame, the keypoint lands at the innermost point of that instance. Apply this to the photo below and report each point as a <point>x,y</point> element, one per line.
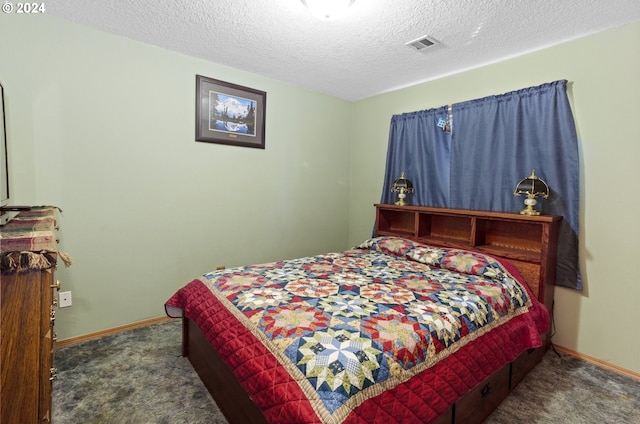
<point>528,242</point>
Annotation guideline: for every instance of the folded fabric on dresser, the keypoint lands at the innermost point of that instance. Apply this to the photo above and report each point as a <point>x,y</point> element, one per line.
<point>29,242</point>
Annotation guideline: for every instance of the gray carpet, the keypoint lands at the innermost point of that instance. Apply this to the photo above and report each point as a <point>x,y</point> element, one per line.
<point>138,376</point>
<point>134,377</point>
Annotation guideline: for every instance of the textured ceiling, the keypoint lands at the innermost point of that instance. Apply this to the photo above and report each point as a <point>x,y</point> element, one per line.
<point>360,55</point>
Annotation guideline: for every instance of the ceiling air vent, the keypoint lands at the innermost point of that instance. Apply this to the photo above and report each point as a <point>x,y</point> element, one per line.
<point>422,43</point>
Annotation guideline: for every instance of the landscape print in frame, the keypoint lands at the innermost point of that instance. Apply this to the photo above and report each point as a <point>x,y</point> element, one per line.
<point>228,113</point>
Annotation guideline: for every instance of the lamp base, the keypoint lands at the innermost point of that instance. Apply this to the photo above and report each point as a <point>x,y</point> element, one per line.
<point>529,211</point>
<point>401,198</point>
<point>530,202</point>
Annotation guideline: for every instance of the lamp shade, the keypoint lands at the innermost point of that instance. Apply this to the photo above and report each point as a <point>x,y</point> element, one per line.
<point>533,187</point>
<point>402,186</point>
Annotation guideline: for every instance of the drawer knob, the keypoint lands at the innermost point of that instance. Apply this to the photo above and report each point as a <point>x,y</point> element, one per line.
<point>486,390</point>
<point>56,285</point>
<point>54,373</point>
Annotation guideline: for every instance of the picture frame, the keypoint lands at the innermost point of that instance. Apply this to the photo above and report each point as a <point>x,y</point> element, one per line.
<point>230,114</point>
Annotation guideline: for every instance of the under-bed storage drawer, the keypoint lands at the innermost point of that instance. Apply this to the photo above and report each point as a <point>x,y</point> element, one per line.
<point>524,363</point>
<point>478,404</point>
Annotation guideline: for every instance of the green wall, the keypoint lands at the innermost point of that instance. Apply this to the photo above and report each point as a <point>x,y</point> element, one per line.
<point>103,127</point>
<point>604,88</point>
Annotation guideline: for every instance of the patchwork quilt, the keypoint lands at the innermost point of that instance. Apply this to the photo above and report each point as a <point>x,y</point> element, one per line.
<point>390,331</point>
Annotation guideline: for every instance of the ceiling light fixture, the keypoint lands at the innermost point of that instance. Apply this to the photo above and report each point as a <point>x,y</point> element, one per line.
<point>328,9</point>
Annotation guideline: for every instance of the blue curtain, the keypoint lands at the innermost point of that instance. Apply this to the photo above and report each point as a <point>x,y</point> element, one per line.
<point>422,150</point>
<point>495,142</point>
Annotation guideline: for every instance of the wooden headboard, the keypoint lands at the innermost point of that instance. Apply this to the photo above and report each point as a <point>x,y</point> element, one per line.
<point>528,242</point>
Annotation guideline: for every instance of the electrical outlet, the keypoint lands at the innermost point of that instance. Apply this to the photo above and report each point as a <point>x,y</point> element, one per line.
<point>64,299</point>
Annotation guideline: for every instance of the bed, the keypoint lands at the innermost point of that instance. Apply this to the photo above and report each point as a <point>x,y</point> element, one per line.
<point>410,326</point>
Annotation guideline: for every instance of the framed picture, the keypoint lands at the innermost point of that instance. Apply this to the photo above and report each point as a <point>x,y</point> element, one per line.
<point>227,113</point>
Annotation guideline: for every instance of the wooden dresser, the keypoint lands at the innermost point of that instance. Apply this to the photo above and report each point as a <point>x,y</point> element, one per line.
<point>28,248</point>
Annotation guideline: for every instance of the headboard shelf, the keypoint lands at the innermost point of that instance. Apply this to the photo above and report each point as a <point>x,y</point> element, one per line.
<point>396,221</point>
<point>456,229</point>
<point>510,253</point>
<point>529,242</point>
<point>444,241</point>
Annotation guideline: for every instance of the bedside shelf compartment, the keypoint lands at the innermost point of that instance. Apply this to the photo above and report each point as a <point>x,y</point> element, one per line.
<point>396,222</point>
<point>512,239</point>
<point>448,229</point>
